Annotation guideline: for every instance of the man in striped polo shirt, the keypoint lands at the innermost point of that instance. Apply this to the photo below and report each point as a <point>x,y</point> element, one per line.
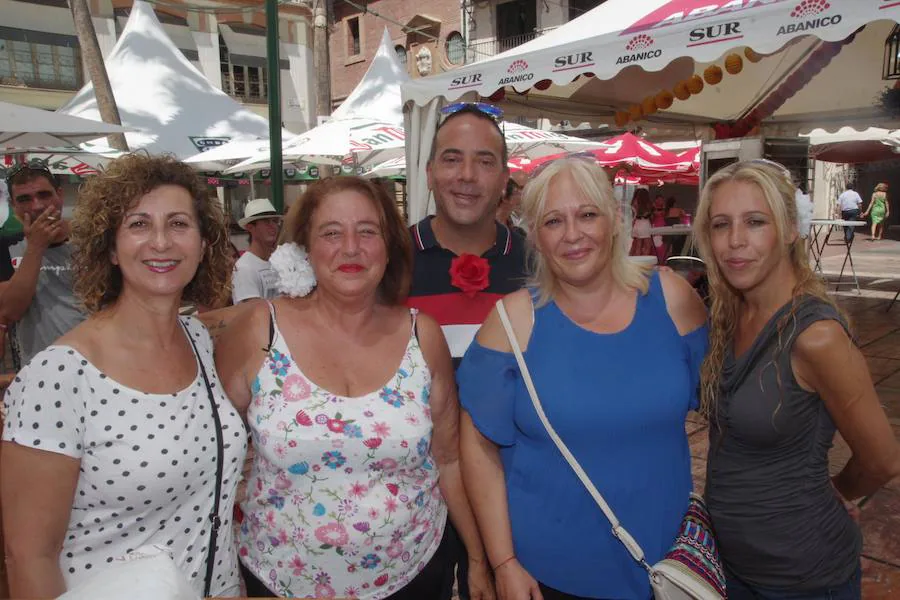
<point>464,259</point>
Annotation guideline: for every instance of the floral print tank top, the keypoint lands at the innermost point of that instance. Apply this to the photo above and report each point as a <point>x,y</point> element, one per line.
<point>343,495</point>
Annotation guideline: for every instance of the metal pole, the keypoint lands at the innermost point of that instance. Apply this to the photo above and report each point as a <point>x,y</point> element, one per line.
<point>272,55</point>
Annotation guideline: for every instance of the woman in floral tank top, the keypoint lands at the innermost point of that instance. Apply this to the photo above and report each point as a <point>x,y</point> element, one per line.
<point>352,409</point>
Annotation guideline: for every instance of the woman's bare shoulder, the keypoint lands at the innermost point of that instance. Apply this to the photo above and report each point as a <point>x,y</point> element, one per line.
<point>520,308</point>
<point>684,305</point>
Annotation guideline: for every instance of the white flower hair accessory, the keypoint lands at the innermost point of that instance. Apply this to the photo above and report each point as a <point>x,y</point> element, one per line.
<point>804,213</point>
<point>296,277</point>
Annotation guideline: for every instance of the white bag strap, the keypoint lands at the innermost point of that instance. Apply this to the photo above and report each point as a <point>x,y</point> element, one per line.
<point>619,532</point>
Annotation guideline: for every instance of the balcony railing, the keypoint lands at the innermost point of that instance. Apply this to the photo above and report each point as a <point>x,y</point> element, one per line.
<point>479,50</point>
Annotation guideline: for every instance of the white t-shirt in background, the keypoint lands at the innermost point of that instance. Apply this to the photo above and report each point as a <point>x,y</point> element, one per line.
<point>849,200</point>
<point>253,278</point>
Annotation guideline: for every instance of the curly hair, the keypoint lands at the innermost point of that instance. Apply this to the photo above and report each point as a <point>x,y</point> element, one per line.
<point>395,284</point>
<point>102,204</point>
<point>778,190</point>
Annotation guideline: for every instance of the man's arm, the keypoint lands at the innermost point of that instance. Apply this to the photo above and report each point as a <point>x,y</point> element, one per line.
<point>17,294</point>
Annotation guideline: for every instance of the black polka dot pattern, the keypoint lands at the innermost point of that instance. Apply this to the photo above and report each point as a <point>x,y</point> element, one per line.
<point>145,461</point>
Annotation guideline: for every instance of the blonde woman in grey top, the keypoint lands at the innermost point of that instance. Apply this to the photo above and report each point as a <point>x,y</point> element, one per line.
<point>781,376</point>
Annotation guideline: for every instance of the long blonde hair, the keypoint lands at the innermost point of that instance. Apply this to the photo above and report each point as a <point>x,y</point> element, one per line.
<point>595,186</point>
<point>775,183</point>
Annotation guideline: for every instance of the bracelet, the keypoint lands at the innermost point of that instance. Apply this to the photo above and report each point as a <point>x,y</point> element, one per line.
<point>503,562</point>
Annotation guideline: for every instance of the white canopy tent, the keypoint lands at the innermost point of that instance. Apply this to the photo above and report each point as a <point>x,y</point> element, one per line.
<point>72,160</point>
<point>526,142</point>
<point>523,143</point>
<point>226,155</point>
<point>168,104</point>
<point>626,51</point>
<point>24,127</point>
<point>377,95</point>
<point>363,141</point>
<point>390,168</point>
<point>367,125</point>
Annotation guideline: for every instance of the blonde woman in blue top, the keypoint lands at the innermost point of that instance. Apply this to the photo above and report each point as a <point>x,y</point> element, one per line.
<point>590,325</point>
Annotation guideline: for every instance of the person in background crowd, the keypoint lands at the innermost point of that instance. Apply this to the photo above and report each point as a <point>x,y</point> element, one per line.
<point>641,208</point>
<point>100,454</point>
<point>352,408</point>
<point>658,219</point>
<point>544,534</point>
<point>673,213</point>
<point>850,203</point>
<point>465,260</point>
<point>253,275</point>
<point>38,298</point>
<point>879,210</point>
<point>674,216</point>
<point>235,253</point>
<point>782,375</point>
<point>6,266</point>
<point>508,210</point>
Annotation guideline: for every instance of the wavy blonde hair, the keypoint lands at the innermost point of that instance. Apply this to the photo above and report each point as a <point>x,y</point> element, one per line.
<point>595,186</point>
<point>779,192</point>
<point>102,203</point>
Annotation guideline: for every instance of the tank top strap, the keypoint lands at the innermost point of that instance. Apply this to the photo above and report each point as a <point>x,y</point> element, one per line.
<point>271,325</point>
<point>414,313</point>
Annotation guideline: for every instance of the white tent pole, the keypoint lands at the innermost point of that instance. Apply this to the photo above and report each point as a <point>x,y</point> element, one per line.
<point>252,187</point>
<point>423,121</point>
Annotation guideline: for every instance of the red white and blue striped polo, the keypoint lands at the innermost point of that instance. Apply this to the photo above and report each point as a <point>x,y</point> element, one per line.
<point>459,314</point>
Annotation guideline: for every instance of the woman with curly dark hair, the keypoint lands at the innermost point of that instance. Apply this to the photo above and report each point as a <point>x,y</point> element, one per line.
<point>119,435</point>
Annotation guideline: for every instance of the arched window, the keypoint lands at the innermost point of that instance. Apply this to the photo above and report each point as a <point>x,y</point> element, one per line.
<point>401,55</point>
<point>456,49</point>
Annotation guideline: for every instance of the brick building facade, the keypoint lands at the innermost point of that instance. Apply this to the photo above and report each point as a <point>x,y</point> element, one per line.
<point>355,36</point>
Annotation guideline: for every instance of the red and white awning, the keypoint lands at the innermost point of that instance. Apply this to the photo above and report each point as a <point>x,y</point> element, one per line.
<point>651,34</point>
<point>797,58</point>
<point>630,152</point>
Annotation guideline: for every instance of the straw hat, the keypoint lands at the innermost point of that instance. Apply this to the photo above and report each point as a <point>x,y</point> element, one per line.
<point>257,209</point>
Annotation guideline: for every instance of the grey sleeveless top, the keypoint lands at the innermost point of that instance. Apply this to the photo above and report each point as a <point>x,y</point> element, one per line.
<point>778,521</point>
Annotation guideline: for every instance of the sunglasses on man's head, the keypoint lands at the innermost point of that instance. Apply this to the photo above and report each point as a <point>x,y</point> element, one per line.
<point>495,112</point>
<point>22,167</point>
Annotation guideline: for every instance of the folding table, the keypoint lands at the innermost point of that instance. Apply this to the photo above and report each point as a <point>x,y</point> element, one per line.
<point>892,302</point>
<point>816,249</point>
<point>684,230</point>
